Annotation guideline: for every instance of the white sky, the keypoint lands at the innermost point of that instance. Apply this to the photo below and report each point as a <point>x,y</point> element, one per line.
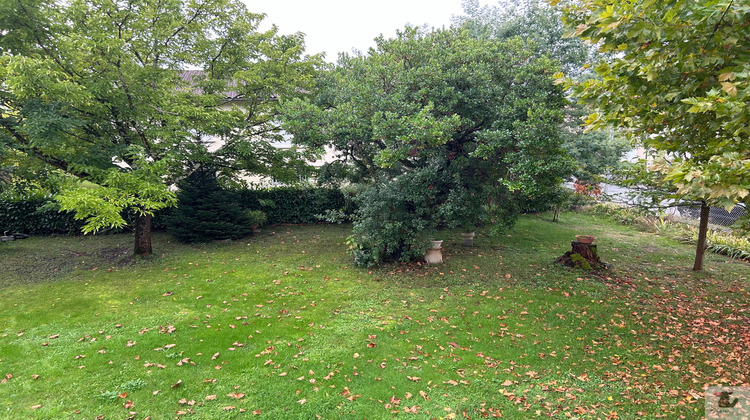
<point>334,26</point>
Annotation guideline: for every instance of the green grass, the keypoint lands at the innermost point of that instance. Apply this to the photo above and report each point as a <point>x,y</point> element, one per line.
<point>285,322</point>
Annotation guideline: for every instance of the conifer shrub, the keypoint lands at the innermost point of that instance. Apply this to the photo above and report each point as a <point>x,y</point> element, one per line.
<point>207,212</point>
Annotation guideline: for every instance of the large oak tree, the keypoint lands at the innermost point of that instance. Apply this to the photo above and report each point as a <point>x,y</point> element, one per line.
<point>442,129</point>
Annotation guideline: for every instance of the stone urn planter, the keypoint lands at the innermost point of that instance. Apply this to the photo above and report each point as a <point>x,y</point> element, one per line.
<point>468,238</point>
<point>434,255</point>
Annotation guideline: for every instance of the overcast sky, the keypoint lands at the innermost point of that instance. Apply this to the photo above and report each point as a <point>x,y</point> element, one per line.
<point>334,26</point>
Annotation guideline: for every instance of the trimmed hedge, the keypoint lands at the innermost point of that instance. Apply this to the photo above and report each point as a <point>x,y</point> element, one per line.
<point>40,215</point>
<point>36,216</point>
<point>292,205</point>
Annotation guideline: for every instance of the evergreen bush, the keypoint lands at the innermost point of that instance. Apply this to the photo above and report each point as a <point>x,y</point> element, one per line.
<point>206,212</point>
<point>35,214</point>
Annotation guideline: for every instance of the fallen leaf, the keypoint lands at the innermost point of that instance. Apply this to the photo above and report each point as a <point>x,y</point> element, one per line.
<point>412,410</point>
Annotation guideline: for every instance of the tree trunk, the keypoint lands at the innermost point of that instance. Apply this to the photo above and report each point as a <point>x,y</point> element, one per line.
<point>556,213</point>
<point>583,256</point>
<point>700,249</point>
<point>143,236</point>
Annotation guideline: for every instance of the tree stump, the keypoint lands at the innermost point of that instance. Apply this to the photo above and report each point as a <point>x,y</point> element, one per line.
<point>583,256</point>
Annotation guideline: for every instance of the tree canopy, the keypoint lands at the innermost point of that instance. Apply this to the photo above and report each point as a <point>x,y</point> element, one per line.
<point>473,123</point>
<point>596,153</point>
<point>678,82</point>
<point>531,20</point>
<point>96,89</point>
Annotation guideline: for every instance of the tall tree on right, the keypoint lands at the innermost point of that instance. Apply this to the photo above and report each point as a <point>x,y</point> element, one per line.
<point>678,82</point>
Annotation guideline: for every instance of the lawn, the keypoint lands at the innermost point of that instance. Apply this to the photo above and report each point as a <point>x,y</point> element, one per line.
<point>281,325</point>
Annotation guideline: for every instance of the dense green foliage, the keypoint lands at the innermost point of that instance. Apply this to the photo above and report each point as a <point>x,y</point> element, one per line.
<point>35,215</point>
<point>595,153</point>
<point>291,204</point>
<point>531,20</point>
<point>679,83</point>
<point>98,90</point>
<point>206,212</point>
<point>394,218</point>
<point>476,122</point>
<point>39,214</point>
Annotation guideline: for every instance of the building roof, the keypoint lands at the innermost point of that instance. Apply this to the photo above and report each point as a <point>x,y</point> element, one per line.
<point>192,77</point>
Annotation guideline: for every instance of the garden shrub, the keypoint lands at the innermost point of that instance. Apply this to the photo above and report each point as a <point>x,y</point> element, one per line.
<point>395,218</point>
<point>36,214</point>
<point>206,212</point>
<point>723,243</point>
<point>293,205</point>
<point>39,214</point>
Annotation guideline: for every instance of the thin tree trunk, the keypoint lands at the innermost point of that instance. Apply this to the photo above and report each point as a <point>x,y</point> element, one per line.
<point>702,230</point>
<point>143,236</point>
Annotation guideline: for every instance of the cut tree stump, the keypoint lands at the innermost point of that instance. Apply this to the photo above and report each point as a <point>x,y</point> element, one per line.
<point>582,256</point>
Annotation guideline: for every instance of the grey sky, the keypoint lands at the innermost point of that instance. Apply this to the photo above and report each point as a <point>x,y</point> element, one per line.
<point>334,26</point>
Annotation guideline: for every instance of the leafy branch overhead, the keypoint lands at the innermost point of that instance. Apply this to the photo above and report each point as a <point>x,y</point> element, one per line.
<point>678,83</point>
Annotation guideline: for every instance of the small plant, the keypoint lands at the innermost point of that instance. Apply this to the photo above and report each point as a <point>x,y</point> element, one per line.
<point>666,227</point>
<point>129,386</point>
<point>334,216</point>
<point>633,216</point>
<point>580,262</point>
<point>257,218</point>
<point>587,190</point>
<point>109,396</point>
<point>133,385</point>
<point>722,243</point>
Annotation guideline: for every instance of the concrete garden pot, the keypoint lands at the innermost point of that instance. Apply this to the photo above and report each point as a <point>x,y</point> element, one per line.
<point>468,238</point>
<point>434,255</point>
